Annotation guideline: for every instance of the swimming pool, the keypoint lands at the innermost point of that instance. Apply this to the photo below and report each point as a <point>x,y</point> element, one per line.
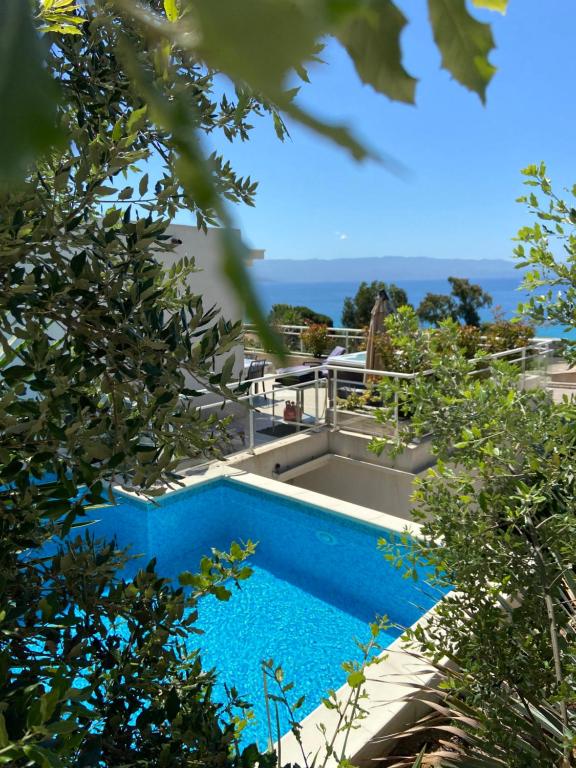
<point>318,580</point>
<point>353,359</point>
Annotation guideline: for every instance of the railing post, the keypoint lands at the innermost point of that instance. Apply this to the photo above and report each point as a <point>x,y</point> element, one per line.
<point>396,411</point>
<point>334,399</point>
<point>250,424</point>
<point>523,368</point>
<point>316,393</point>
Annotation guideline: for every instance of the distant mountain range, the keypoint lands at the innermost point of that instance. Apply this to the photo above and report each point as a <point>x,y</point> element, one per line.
<point>383,268</point>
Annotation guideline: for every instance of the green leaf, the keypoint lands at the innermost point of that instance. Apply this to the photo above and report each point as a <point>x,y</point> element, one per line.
<point>63,29</point>
<point>62,727</point>
<point>257,41</point>
<point>126,193</point>
<point>136,119</point>
<point>172,704</point>
<point>27,93</point>
<point>222,593</point>
<point>171,8</point>
<point>339,134</point>
<point>227,370</point>
<point>112,217</point>
<point>104,191</point>
<point>355,679</point>
<point>188,579</point>
<point>464,43</point>
<point>4,738</point>
<point>492,5</point>
<point>372,38</point>
<point>43,757</point>
<point>118,130</point>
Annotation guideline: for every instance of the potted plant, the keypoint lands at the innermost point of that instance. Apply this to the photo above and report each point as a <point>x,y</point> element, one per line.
<point>315,339</point>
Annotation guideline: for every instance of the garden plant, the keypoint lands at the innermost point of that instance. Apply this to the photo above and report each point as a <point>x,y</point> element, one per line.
<point>499,524</point>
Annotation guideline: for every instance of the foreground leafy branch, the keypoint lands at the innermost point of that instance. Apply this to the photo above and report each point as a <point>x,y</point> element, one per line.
<point>102,354</point>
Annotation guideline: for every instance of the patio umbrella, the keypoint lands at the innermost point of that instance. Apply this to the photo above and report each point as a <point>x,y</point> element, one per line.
<point>381,309</point>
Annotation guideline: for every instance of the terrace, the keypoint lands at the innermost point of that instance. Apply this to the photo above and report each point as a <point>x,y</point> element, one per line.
<point>333,395</point>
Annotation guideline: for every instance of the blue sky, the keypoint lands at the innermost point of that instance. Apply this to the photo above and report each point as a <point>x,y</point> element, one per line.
<point>465,159</point>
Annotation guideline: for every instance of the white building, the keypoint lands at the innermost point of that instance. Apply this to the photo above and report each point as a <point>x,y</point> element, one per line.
<point>210,281</point>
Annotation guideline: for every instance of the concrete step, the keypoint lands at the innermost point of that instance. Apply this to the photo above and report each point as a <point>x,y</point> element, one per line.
<point>560,384</point>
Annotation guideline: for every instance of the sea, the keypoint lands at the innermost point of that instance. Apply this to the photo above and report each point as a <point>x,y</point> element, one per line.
<point>328,298</point>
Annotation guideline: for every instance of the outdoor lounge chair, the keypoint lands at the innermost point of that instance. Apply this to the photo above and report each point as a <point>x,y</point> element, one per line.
<point>299,374</point>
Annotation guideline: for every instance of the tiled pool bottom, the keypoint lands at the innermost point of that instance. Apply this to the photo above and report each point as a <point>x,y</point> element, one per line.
<point>318,580</point>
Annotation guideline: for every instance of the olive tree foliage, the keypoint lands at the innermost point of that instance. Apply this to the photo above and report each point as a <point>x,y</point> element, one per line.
<point>548,249</point>
<point>497,513</point>
<point>257,45</point>
<point>99,347</point>
<point>498,523</point>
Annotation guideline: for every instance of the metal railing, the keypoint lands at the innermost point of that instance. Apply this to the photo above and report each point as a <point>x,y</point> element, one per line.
<point>327,379</point>
<point>349,338</point>
<point>539,350</point>
<point>265,405</point>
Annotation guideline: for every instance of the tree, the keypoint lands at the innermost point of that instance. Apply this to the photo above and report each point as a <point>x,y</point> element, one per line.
<point>501,499</point>
<point>464,303</point>
<point>550,281</point>
<point>437,307</point>
<point>287,314</point>
<point>357,310</point>
<point>97,346</point>
<point>470,299</point>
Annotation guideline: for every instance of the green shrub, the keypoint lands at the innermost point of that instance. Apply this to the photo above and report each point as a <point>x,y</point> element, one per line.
<point>504,334</point>
<point>315,339</point>
<point>287,314</point>
<point>469,340</point>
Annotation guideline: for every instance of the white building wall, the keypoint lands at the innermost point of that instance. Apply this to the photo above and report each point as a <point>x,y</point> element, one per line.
<point>209,281</point>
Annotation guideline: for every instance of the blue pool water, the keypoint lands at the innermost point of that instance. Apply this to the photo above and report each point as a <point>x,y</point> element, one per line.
<point>318,580</point>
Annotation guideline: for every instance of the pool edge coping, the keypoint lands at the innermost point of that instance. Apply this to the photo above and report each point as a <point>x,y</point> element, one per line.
<point>338,507</point>
<point>391,703</point>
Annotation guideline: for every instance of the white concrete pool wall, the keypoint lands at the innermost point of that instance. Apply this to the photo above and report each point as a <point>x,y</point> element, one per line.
<point>309,444</point>
<point>339,465</point>
<point>390,683</point>
<point>303,495</point>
